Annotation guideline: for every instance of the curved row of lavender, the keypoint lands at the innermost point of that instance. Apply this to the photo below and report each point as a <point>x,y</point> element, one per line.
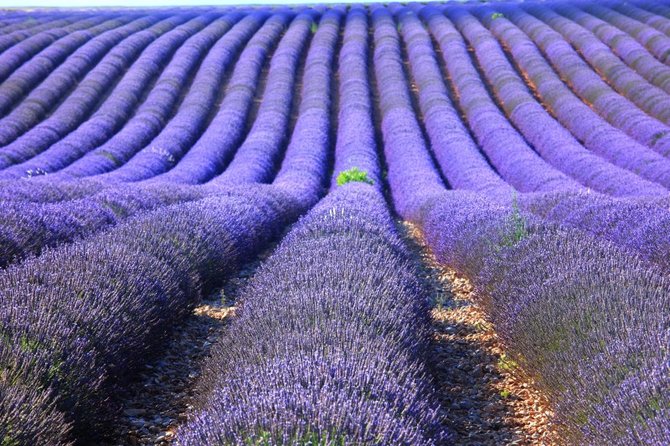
<point>636,223</point>
<point>71,344</point>
<point>142,111</point>
<point>331,342</point>
<point>585,318</point>
<point>33,226</point>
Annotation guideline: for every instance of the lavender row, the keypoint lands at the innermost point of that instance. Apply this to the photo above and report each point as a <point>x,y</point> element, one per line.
<point>306,162</point>
<point>515,161</point>
<point>582,317</point>
<point>77,106</point>
<point>468,232</point>
<point>22,22</point>
<point>30,227</point>
<point>595,132</point>
<point>403,142</point>
<point>456,152</point>
<point>655,7</point>
<point>257,157</point>
<point>152,114</point>
<point>632,224</point>
<point>214,149</point>
<point>549,138</point>
<point>647,39</point>
<point>637,12</point>
<point>479,238</point>
<point>636,56</point>
<point>122,101</point>
<point>355,145</point>
<point>336,309</point>
<point>622,78</point>
<point>616,109</point>
<point>595,350</point>
<point>246,218</point>
<point>78,339</point>
<point>185,127</point>
<point>233,410</point>
<point>20,46</point>
<point>77,45</point>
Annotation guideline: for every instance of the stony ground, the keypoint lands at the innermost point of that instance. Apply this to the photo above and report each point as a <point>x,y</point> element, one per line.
<point>487,400</point>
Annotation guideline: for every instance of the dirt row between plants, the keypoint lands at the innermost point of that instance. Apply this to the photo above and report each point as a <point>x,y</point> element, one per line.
<point>487,399</point>
<point>159,400</point>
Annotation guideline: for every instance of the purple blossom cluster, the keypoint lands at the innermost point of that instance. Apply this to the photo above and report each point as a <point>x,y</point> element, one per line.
<point>330,344</point>
<point>69,318</point>
<point>586,319</point>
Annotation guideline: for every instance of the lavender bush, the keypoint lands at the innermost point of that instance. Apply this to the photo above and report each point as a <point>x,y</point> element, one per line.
<point>329,344</point>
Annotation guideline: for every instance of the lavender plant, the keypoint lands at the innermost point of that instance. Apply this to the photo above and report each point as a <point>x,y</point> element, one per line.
<point>329,345</point>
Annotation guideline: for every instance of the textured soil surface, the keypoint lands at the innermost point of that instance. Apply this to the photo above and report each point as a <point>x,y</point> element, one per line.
<point>488,401</point>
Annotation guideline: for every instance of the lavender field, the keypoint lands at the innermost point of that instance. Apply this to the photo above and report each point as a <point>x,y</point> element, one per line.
<point>149,156</point>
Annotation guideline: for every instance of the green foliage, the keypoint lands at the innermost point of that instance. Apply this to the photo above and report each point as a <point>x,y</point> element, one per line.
<point>505,393</point>
<point>440,299</point>
<point>29,345</point>
<point>353,174</point>
<point>506,363</point>
<point>7,440</point>
<point>119,211</point>
<point>314,27</point>
<point>56,370</point>
<point>497,15</point>
<point>515,230</point>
